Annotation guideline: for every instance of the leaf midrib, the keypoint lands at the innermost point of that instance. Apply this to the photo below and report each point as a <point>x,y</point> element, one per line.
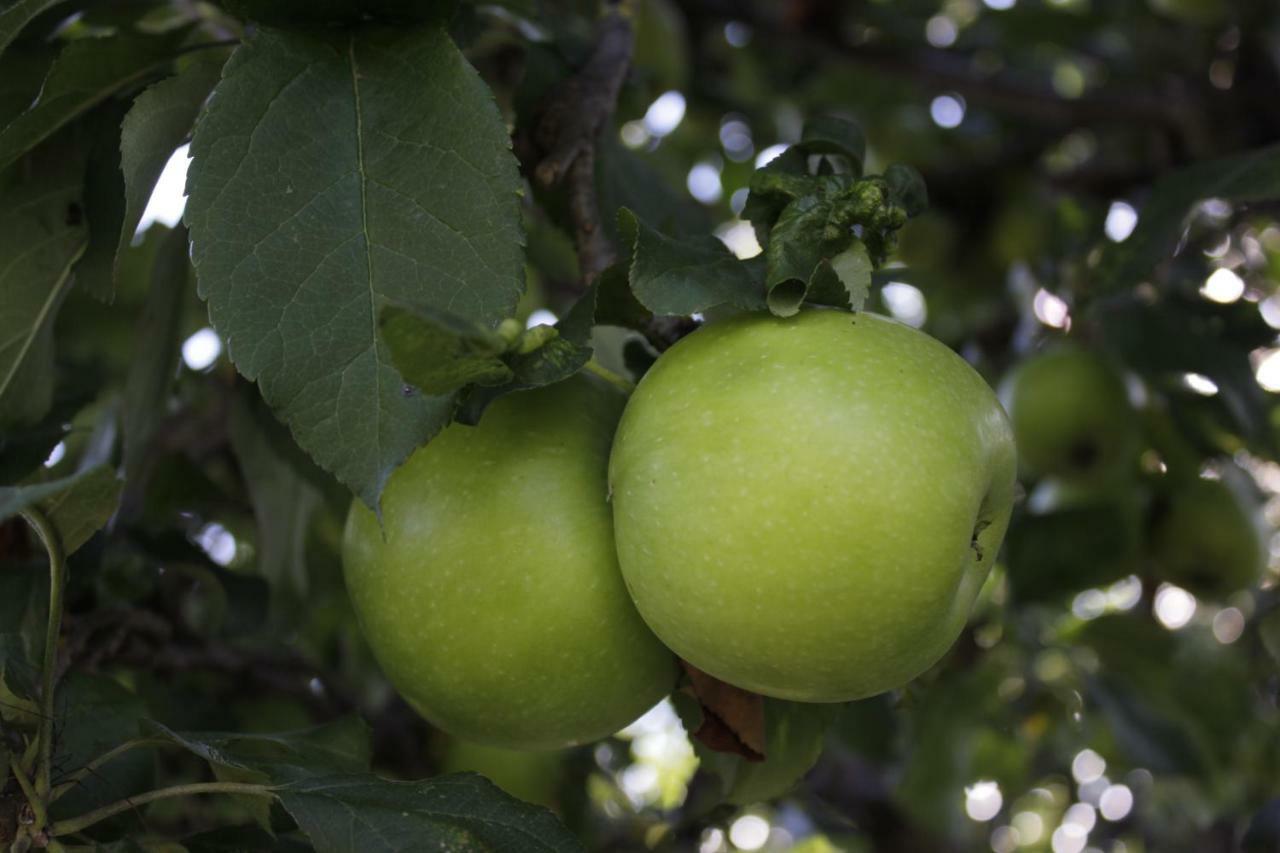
<point>63,278</point>
<point>368,244</point>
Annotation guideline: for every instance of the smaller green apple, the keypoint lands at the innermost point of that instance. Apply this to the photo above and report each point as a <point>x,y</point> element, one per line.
<point>490,592</point>
<point>1071,416</point>
<point>1208,538</point>
<point>532,776</point>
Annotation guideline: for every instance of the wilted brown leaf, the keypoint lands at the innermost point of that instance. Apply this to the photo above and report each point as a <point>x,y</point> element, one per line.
<point>732,718</point>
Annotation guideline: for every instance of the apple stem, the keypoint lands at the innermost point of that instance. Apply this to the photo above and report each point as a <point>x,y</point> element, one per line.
<point>623,384</point>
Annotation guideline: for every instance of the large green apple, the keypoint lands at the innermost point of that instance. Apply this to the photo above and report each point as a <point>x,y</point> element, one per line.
<point>807,507</point>
<point>491,594</point>
<point>1208,539</point>
<point>1071,416</point>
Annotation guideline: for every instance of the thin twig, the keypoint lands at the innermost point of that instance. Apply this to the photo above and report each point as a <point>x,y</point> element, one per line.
<point>33,799</point>
<point>57,583</point>
<point>75,824</point>
<point>562,143</point>
<point>89,769</point>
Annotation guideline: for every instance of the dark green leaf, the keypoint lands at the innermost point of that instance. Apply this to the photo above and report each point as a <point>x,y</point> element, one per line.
<point>95,714</point>
<point>283,501</point>
<point>779,182</point>
<point>335,173</point>
<point>41,236</point>
<point>1057,554</point>
<point>18,15</point>
<point>243,839</point>
<point>670,276</point>
<point>625,179</point>
<point>23,605</point>
<point>440,353</point>
<point>155,355</point>
<point>1252,176</point>
<point>24,449</point>
<point>78,504</point>
<point>907,189</point>
<point>463,812</point>
<point>1148,737</point>
<point>22,70</point>
<point>84,506</point>
<point>103,203</point>
<point>833,135</point>
<point>1173,337</point>
<point>87,71</point>
<point>614,303</point>
<point>338,747</point>
<point>800,254</point>
<point>324,13</point>
<point>342,809</point>
<point>157,123</point>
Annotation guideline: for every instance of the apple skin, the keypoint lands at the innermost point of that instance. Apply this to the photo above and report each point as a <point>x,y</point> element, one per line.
<point>494,603</point>
<point>534,777</point>
<point>796,501</point>
<point>1072,417</point>
<point>1207,539</point>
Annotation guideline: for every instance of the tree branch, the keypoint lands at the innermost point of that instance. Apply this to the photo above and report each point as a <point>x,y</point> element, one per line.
<point>1176,107</point>
<point>562,143</point>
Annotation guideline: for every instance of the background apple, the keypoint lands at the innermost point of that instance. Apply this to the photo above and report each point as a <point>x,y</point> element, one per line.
<point>491,594</point>
<point>1208,538</point>
<point>807,507</point>
<point>532,776</point>
<point>1071,416</point>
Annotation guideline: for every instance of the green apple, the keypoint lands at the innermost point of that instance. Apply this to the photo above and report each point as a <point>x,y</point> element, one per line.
<point>807,507</point>
<point>491,594</point>
<point>532,776</point>
<point>1208,539</point>
<point>1071,416</point>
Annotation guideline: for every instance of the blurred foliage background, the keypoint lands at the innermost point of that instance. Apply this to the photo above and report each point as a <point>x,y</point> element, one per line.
<point>1082,159</point>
